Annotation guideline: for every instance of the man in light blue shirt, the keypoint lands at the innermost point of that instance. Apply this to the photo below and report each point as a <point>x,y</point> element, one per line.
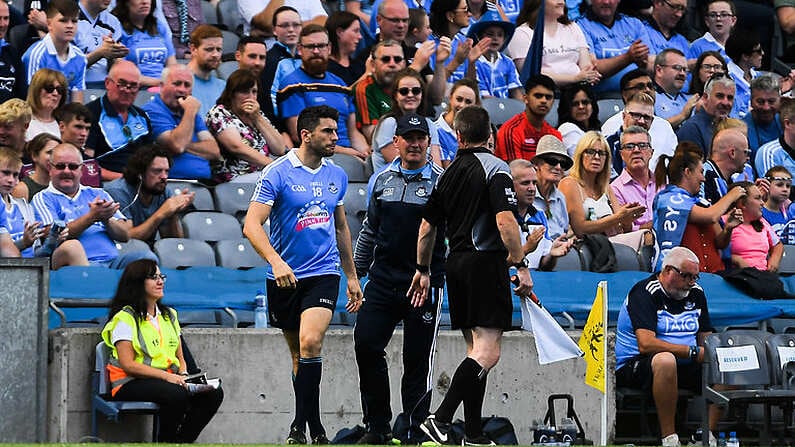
<point>206,47</point>
<point>670,74</point>
<point>661,26</point>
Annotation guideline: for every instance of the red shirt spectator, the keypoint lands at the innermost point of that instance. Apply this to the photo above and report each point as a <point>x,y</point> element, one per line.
<point>517,138</point>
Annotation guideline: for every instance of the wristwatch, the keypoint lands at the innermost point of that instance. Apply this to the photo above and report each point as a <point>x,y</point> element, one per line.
<point>521,264</point>
<point>692,352</point>
<point>424,269</point>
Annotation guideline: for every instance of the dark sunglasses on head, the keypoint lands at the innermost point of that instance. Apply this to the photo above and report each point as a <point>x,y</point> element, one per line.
<point>63,166</point>
<point>386,59</point>
<point>51,88</point>
<point>414,91</point>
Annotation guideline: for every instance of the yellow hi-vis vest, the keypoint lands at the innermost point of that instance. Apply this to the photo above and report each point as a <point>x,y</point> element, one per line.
<point>154,348</point>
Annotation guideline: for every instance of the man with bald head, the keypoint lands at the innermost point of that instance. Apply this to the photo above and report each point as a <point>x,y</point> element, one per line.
<point>90,214</point>
<point>729,154</point>
<point>120,127</point>
<point>178,126</point>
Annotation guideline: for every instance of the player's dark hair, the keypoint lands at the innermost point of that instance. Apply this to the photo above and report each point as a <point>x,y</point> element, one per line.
<point>310,117</point>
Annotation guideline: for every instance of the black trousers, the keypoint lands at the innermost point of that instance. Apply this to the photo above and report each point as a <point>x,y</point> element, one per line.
<point>384,307</point>
<point>182,416</point>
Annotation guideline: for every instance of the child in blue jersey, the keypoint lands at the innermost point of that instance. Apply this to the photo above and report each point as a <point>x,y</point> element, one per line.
<point>56,51</point>
<point>309,240</point>
<point>720,18</point>
<point>779,211</point>
<point>496,73</point>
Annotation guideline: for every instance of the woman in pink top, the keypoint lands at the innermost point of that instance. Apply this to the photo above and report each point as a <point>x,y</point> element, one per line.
<point>753,242</point>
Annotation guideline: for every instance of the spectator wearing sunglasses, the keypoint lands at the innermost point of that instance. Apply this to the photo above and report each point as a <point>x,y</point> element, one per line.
<point>718,100</point>
<point>551,162</point>
<point>47,92</point>
<point>408,96</point>
<point>374,92</point>
<point>120,127</point>
<point>91,214</point>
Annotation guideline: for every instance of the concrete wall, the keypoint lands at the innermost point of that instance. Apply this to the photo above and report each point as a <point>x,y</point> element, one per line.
<point>258,406</point>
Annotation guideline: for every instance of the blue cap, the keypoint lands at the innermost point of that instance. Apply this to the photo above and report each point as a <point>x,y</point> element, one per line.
<point>491,18</point>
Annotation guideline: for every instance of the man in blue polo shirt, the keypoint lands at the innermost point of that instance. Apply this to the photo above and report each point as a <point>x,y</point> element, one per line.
<point>176,124</point>
<point>98,32</point>
<point>670,74</point>
<point>312,85</point>
<point>56,50</point>
<point>620,43</point>
<point>120,127</point>
<point>661,26</point>
<point>90,214</point>
<point>309,239</point>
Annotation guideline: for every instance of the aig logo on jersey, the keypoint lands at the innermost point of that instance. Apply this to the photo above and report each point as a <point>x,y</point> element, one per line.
<point>312,215</point>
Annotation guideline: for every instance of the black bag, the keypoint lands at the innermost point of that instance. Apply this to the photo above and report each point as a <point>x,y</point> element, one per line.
<point>604,255</point>
<point>349,436</point>
<point>759,284</point>
<point>498,429</point>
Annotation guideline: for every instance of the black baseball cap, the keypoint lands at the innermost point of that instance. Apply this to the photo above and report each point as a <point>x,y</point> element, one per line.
<point>411,122</point>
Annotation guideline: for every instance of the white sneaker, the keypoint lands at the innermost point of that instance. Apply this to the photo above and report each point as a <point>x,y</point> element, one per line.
<point>712,441</point>
<point>671,440</point>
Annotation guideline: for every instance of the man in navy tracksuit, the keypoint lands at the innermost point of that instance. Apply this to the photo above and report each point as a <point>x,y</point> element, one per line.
<point>387,252</point>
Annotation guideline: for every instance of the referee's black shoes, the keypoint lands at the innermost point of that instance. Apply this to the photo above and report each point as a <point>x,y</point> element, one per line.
<point>437,431</point>
<point>296,436</point>
<point>374,438</point>
<point>480,440</point>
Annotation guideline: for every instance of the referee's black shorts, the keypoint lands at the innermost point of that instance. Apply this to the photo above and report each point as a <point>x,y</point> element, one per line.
<point>479,290</point>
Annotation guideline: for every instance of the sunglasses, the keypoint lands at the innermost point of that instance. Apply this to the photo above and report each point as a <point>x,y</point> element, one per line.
<point>63,166</point>
<point>595,152</point>
<point>156,276</point>
<point>386,59</point>
<point>51,88</point>
<point>413,90</point>
<point>126,132</point>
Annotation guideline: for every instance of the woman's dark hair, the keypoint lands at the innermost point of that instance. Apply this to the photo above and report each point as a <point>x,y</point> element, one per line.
<point>670,170</point>
<point>131,291</point>
<point>338,20</point>
<point>529,14</point>
<point>240,80</point>
<point>407,73</point>
<point>122,12</point>
<point>741,41</point>
<point>565,105</point>
<point>37,143</point>
<point>696,86</point>
<point>438,17</point>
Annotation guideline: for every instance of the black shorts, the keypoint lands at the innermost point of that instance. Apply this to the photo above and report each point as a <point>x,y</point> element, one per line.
<point>285,306</point>
<point>636,373</point>
<point>479,290</point>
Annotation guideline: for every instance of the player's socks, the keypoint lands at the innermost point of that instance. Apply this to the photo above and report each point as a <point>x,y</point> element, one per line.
<point>299,378</point>
<point>464,379</point>
<point>313,368</point>
<point>473,403</point>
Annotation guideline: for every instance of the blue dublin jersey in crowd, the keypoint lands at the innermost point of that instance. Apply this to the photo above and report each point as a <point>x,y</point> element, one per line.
<point>303,201</point>
<point>42,54</point>
<point>300,90</point>
<point>648,306</point>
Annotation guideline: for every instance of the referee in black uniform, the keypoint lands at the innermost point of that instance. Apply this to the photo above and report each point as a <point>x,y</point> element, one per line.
<point>476,201</point>
<point>387,251</point>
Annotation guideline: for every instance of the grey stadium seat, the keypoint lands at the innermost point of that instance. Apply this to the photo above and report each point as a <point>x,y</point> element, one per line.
<point>179,253</point>
<point>203,200</point>
<point>356,200</point>
<point>211,226</point>
<point>355,168</point>
<point>502,109</point>
<point>237,253</point>
<point>233,198</point>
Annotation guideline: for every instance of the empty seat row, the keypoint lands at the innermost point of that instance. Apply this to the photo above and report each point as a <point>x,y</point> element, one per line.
<point>179,253</point>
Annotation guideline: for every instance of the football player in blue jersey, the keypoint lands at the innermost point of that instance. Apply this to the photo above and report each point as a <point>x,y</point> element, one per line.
<point>309,239</point>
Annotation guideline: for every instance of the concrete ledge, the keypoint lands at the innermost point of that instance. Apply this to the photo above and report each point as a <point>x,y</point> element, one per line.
<point>258,406</point>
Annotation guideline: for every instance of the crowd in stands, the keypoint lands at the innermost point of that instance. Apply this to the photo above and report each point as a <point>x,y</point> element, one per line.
<point>701,127</point>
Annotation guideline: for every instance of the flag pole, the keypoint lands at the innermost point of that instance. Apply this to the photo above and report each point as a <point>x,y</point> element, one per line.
<point>603,422</point>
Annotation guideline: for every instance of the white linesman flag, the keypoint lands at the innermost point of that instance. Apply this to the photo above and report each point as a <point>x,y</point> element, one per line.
<point>552,342</point>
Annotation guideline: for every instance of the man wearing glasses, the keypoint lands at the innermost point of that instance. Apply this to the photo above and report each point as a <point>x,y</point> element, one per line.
<point>661,26</point>
<point>670,74</point>
<point>373,93</point>
<point>639,112</point>
<point>661,132</point>
<point>312,85</point>
<point>636,183</point>
<point>120,126</point>
<point>91,215</point>
<point>661,329</point>
<point>718,101</point>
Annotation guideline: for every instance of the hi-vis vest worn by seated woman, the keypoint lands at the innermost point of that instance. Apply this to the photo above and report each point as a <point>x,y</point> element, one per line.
<point>153,347</point>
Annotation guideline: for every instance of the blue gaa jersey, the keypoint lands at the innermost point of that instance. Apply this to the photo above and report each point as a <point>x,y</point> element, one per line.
<point>301,91</point>
<point>648,306</point>
<point>51,204</point>
<point>42,54</point>
<point>497,78</point>
<point>149,52</point>
<point>17,216</point>
<point>606,42</point>
<point>91,33</point>
<point>302,215</point>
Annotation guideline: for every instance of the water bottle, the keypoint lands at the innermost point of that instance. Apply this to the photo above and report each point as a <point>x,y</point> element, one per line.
<point>733,440</point>
<point>51,242</point>
<point>261,310</point>
<point>722,439</point>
